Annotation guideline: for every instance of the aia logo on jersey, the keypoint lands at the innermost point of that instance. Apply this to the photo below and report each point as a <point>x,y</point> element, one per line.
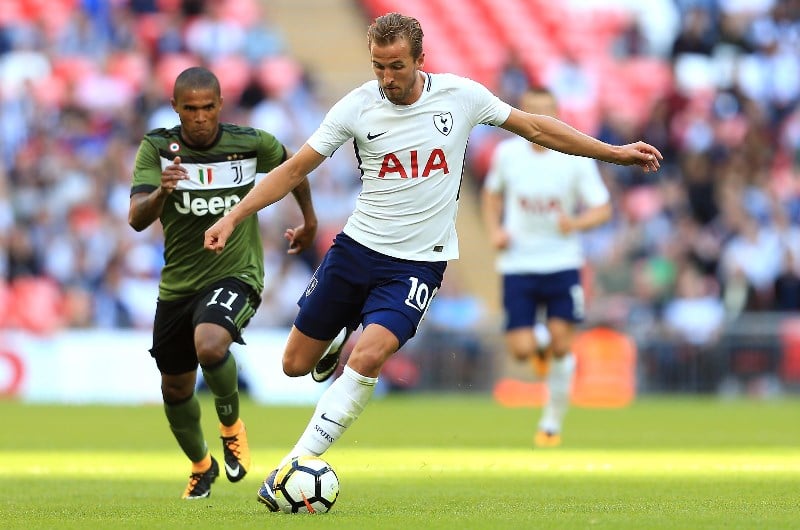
<point>443,122</point>
<point>538,205</point>
<point>406,165</point>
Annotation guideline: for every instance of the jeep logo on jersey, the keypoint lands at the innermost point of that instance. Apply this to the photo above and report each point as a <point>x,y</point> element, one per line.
<point>443,122</point>
<point>199,206</point>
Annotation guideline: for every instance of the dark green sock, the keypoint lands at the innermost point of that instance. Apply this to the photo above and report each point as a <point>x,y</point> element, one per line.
<point>184,421</point>
<point>223,381</point>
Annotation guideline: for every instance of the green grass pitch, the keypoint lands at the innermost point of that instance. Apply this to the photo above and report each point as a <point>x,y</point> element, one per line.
<point>421,462</point>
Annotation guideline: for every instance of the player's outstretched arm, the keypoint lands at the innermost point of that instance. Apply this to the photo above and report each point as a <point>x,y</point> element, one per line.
<point>555,134</point>
<point>272,188</point>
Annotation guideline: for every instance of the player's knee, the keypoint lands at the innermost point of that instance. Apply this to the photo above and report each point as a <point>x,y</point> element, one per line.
<point>209,353</point>
<point>176,391</point>
<point>296,366</point>
<point>519,350</point>
<point>367,363</point>
<point>520,355</point>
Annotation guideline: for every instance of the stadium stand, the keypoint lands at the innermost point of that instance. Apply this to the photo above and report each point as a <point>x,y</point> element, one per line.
<point>81,81</point>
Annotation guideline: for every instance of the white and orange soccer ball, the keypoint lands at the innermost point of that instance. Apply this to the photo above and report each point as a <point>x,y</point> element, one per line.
<point>307,484</point>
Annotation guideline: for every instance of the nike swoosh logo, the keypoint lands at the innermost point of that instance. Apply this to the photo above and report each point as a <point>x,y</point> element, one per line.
<point>371,136</point>
<point>233,471</point>
<point>324,417</point>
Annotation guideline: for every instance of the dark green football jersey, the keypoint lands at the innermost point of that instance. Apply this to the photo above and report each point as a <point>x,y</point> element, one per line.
<point>219,177</point>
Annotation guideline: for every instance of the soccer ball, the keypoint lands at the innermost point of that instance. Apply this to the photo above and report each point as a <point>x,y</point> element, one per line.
<point>307,484</point>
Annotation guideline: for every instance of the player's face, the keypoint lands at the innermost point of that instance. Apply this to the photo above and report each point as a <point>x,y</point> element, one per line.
<point>198,110</point>
<point>397,72</point>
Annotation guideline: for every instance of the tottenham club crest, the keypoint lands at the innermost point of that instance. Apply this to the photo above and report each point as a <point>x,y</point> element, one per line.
<point>443,122</point>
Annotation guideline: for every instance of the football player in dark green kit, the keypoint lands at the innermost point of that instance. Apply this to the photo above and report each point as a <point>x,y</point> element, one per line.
<point>188,177</point>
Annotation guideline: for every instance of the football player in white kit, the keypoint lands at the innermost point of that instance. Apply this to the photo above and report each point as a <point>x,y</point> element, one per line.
<point>535,203</point>
<point>409,130</point>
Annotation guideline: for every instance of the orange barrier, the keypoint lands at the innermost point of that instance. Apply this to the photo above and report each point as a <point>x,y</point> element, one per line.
<point>605,374</point>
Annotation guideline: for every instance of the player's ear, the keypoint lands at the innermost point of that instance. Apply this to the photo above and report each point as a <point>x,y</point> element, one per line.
<point>174,104</point>
<point>421,60</point>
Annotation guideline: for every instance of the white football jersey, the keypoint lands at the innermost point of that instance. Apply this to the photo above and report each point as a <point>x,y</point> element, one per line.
<point>411,159</point>
<point>536,187</point>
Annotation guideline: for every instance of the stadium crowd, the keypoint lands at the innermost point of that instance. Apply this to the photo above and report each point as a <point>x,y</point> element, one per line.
<point>715,233</point>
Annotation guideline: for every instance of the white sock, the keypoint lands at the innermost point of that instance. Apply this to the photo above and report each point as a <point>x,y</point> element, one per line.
<point>559,384</point>
<point>337,409</point>
<point>542,335</point>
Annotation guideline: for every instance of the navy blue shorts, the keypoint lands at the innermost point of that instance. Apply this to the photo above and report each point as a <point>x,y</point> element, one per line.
<point>560,294</point>
<point>357,286</point>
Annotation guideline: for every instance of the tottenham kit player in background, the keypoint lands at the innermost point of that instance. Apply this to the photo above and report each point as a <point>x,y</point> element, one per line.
<point>536,201</point>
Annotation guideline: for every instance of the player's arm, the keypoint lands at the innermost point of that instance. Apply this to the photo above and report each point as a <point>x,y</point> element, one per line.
<point>586,220</point>
<point>301,237</point>
<point>272,188</point>
<point>492,212</point>
<point>145,208</point>
<point>555,134</point>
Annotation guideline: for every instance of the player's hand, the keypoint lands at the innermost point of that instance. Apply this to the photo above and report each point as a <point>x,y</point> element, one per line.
<point>565,224</point>
<point>172,175</point>
<point>641,154</point>
<point>217,235</point>
<point>300,238</point>
<point>500,239</point>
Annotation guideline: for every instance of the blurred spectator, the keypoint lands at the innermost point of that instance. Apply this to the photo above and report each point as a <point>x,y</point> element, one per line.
<point>80,82</point>
<point>450,341</point>
<point>693,322</point>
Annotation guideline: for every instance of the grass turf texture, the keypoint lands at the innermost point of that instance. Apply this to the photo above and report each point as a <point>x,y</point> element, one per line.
<point>420,461</point>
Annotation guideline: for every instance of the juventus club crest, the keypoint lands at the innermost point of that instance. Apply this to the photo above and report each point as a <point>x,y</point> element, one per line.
<point>443,122</point>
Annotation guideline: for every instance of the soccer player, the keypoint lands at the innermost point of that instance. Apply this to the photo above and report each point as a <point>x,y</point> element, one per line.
<point>535,203</point>
<point>409,130</point>
<point>188,177</point>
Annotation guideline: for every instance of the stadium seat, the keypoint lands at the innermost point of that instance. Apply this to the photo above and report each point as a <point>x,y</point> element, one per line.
<point>131,66</point>
<point>168,68</point>
<point>790,340</point>
<point>233,72</point>
<point>37,304</point>
<point>5,304</point>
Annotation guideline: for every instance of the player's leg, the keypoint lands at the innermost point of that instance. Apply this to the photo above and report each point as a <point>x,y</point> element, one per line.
<point>564,311</point>
<point>302,352</point>
<point>182,409</point>
<point>342,403</point>
<point>520,302</point>
<point>330,310</point>
<point>329,361</point>
<point>396,304</point>
<point>220,315</point>
<point>392,312</point>
<point>173,351</point>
